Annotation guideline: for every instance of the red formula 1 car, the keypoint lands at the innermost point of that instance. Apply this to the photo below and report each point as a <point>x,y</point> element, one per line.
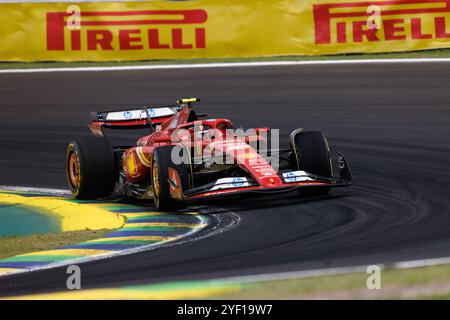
<point>187,157</point>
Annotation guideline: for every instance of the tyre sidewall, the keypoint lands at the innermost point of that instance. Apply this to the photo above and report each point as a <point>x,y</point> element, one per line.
<point>312,155</point>
<point>97,172</point>
<point>162,159</point>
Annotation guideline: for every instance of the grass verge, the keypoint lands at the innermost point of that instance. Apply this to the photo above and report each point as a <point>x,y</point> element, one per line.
<point>435,53</point>
<point>12,246</point>
<point>418,283</point>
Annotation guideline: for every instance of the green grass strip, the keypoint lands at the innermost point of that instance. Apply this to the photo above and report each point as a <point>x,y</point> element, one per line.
<point>11,246</point>
<point>180,285</point>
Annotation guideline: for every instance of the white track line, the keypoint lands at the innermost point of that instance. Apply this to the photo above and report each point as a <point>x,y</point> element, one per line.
<point>40,190</point>
<point>229,65</point>
<point>421,263</point>
<point>333,271</point>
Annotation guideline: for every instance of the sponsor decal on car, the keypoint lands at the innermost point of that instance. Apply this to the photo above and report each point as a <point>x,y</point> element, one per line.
<point>127,115</point>
<point>296,176</point>
<point>139,114</point>
<point>226,183</point>
<point>238,182</point>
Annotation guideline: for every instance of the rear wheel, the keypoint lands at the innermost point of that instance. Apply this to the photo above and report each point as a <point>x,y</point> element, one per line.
<point>311,154</point>
<point>161,164</point>
<point>90,168</point>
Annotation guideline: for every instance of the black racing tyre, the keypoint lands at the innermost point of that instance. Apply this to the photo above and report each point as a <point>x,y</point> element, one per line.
<point>161,162</point>
<point>90,168</point>
<point>312,154</point>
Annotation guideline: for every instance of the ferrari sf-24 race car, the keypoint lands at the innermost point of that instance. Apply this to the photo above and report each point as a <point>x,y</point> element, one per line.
<point>187,156</point>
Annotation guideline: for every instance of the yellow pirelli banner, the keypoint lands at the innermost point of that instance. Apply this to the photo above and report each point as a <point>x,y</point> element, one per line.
<point>218,29</point>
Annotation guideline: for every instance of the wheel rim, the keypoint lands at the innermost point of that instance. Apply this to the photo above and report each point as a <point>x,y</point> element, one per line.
<point>155,180</point>
<point>74,170</point>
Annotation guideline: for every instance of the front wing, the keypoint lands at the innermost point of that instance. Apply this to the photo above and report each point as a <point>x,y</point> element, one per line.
<point>208,191</point>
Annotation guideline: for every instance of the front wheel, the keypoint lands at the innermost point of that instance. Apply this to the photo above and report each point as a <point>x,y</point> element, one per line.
<point>311,154</point>
<point>90,168</point>
<point>168,180</point>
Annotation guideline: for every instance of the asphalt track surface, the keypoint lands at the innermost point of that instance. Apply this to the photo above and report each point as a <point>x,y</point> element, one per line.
<point>391,121</point>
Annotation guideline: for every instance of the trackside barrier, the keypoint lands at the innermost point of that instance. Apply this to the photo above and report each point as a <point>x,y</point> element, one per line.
<point>105,31</point>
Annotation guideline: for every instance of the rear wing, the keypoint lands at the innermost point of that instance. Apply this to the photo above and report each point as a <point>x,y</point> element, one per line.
<point>145,117</point>
<point>133,118</point>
